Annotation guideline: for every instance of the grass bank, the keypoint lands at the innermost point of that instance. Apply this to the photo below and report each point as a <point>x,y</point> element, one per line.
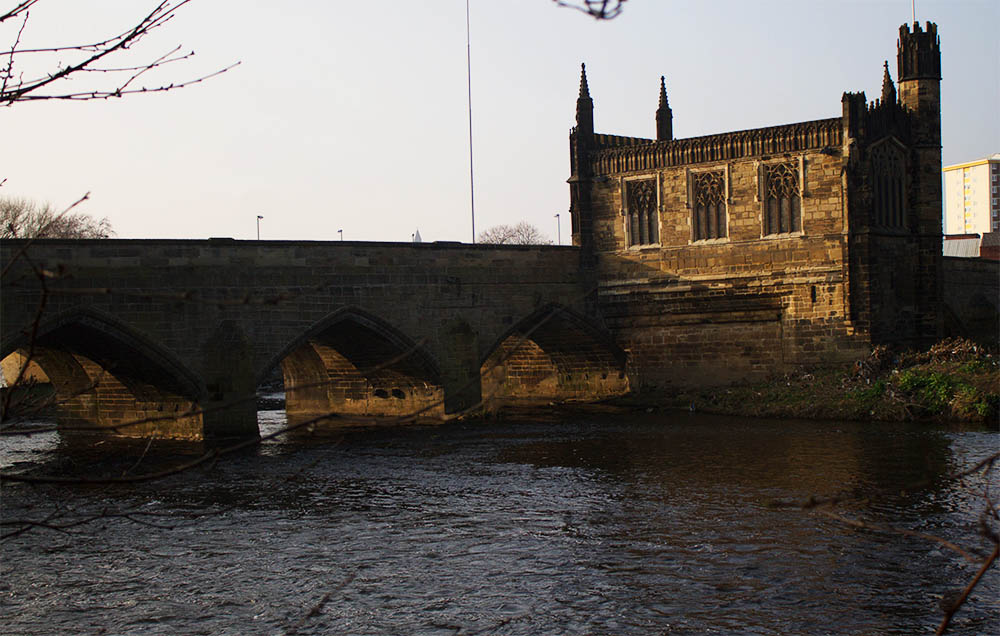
<point>954,380</point>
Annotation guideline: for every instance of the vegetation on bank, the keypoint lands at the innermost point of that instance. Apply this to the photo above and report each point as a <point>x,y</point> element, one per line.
<point>956,379</point>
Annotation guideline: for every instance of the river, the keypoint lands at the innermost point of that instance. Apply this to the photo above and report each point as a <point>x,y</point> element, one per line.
<point>570,521</point>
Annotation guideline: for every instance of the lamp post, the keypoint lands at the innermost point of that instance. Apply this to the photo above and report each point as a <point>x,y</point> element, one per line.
<point>558,231</point>
<point>259,217</point>
<point>341,233</point>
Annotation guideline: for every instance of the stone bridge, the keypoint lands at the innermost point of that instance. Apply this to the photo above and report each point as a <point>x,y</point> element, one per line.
<point>178,334</point>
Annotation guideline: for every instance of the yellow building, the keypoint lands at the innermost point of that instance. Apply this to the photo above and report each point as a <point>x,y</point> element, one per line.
<point>972,196</point>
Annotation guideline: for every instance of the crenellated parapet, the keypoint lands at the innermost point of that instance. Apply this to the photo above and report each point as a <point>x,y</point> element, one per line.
<point>625,154</point>
<point>884,119</point>
<point>919,52</point>
<point>602,140</point>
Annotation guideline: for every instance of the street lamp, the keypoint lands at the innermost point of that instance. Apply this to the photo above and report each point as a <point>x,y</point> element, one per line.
<point>259,217</point>
<point>558,231</point>
<point>341,233</point>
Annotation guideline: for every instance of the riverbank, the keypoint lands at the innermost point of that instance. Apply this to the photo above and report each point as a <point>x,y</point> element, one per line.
<point>955,380</point>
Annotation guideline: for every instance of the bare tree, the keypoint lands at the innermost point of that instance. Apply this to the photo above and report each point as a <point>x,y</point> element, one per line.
<point>31,74</point>
<point>23,218</point>
<point>523,233</point>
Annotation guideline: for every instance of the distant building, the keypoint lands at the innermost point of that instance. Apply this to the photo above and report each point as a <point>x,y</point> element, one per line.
<point>972,196</point>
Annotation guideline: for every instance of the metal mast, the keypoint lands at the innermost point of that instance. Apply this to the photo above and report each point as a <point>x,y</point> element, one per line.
<point>468,68</point>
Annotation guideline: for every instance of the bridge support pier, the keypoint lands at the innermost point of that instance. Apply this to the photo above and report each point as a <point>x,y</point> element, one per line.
<point>230,402</point>
<point>460,375</point>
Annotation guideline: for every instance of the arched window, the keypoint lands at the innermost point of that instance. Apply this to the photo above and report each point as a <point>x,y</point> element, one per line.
<point>643,221</point>
<point>708,218</point>
<point>888,175</point>
<point>782,200</point>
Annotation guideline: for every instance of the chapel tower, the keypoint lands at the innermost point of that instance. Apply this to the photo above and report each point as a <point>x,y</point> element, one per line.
<point>919,73</point>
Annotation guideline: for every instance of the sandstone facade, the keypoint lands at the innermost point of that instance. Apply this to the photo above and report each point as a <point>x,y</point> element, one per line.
<point>722,257</point>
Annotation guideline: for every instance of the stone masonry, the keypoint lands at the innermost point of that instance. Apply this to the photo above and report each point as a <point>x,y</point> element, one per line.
<point>695,262</point>
<point>736,255</point>
<point>149,329</point>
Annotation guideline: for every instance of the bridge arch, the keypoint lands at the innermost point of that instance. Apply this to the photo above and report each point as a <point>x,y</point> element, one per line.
<point>105,373</point>
<point>554,353</point>
<point>353,362</point>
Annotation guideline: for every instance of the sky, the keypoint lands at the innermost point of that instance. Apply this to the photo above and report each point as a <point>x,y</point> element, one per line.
<point>352,115</point>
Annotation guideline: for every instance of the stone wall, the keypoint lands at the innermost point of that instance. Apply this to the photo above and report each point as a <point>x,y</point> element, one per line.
<point>374,328</point>
<point>972,298</point>
<point>719,310</point>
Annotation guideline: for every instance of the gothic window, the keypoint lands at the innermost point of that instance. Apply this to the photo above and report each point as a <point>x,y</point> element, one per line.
<point>782,199</point>
<point>888,191</point>
<point>643,221</point>
<point>708,216</point>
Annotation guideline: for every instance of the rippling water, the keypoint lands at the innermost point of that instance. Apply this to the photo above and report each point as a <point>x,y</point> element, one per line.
<point>575,522</point>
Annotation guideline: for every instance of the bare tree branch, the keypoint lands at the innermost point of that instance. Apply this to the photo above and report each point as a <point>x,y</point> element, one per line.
<point>17,10</point>
<point>597,9</point>
<point>45,85</point>
<point>950,612</point>
<point>864,525</point>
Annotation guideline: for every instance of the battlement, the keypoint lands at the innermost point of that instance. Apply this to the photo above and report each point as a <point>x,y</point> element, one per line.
<point>602,140</point>
<point>868,121</point>
<point>919,53</point>
<point>886,118</point>
<point>630,153</point>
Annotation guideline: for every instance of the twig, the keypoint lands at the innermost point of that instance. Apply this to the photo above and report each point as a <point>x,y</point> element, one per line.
<point>141,457</point>
<point>857,523</point>
<point>967,591</point>
<point>597,9</point>
<point>318,608</point>
<point>24,90</point>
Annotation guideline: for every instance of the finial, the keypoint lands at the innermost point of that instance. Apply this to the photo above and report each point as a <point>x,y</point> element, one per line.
<point>663,92</point>
<point>888,88</point>
<point>584,89</point>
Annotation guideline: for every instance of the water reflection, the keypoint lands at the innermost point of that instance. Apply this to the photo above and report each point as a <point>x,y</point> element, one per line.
<point>582,521</point>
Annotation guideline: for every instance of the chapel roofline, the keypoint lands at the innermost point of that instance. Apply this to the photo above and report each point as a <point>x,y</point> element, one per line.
<point>611,141</point>
<point>613,153</point>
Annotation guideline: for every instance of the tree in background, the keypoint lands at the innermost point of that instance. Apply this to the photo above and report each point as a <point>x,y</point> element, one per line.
<point>523,233</point>
<point>22,218</point>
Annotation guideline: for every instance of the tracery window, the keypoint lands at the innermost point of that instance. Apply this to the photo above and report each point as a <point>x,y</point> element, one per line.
<point>643,221</point>
<point>782,199</point>
<point>708,216</point>
<point>888,186</point>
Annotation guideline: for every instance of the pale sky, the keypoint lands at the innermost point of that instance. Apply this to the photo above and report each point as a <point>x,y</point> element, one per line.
<point>352,114</point>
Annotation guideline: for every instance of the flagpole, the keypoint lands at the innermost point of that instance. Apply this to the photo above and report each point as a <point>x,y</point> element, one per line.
<point>468,68</point>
